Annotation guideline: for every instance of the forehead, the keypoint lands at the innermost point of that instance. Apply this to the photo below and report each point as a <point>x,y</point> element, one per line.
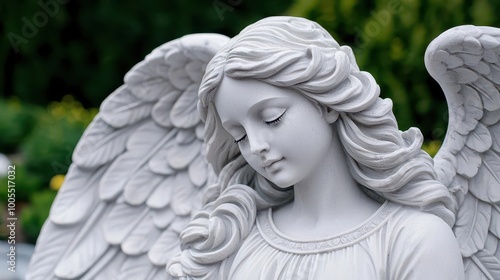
<point>240,96</point>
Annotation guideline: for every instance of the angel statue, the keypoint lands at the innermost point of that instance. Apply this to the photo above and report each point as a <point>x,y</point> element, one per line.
<point>271,156</point>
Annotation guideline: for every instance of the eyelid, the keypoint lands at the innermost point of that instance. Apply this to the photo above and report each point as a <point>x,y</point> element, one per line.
<point>271,122</point>
<point>236,141</point>
<point>276,120</point>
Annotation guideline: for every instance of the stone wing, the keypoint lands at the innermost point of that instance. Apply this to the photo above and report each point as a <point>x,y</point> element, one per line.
<point>137,173</point>
<point>465,60</point>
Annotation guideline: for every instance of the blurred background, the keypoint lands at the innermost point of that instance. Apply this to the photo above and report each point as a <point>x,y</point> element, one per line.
<point>61,58</point>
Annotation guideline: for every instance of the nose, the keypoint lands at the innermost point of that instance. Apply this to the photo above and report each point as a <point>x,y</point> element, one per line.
<point>258,143</point>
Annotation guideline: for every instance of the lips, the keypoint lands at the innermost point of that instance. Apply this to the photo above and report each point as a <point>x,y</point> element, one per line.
<point>270,162</point>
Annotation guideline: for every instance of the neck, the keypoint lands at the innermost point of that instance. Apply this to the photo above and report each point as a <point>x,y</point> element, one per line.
<point>327,201</point>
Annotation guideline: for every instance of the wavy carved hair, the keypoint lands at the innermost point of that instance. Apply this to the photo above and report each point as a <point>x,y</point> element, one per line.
<point>299,54</point>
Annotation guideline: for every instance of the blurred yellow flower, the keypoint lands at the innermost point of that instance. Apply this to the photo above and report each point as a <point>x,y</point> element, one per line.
<point>432,147</point>
<point>56,182</point>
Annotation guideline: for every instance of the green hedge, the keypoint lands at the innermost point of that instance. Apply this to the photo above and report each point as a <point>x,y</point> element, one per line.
<point>55,47</point>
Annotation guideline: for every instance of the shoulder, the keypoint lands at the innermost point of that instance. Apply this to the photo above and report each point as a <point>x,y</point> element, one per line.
<point>417,229</point>
<point>420,224</point>
<point>424,245</point>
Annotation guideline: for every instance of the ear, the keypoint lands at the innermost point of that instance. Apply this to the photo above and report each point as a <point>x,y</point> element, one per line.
<point>330,115</point>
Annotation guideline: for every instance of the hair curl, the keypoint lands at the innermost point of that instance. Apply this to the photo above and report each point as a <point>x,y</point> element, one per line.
<point>298,53</point>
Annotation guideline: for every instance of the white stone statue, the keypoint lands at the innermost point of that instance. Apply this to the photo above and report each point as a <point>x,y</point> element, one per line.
<point>279,160</point>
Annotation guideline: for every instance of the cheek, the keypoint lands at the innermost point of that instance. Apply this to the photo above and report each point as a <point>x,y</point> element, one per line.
<point>310,145</point>
<point>252,160</point>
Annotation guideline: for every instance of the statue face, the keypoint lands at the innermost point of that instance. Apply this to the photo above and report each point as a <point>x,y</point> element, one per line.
<point>280,133</point>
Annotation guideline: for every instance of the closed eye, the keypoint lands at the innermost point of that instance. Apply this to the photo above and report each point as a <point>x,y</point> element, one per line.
<point>277,120</point>
<point>241,139</point>
<point>272,122</point>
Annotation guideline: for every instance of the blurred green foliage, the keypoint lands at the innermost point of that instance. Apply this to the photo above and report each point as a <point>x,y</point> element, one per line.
<point>86,47</point>
<point>26,183</point>
<point>34,214</point>
<point>47,152</point>
<point>17,122</point>
<point>389,39</point>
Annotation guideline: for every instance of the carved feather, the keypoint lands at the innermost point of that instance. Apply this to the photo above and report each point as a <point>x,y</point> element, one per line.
<point>195,70</point>
<point>179,156</point>
<point>487,263</point>
<point>121,220</point>
<point>124,108</point>
<point>163,217</point>
<point>471,227</point>
<point>479,139</point>
<point>158,162</point>
<point>486,184</point>
<point>179,223</point>
<point>183,193</point>
<point>495,221</point>
<point>163,106</point>
<point>100,144</point>
<point>465,76</point>
<point>488,42</point>
<point>185,136</point>
<point>473,109</point>
<point>472,271</point>
<point>108,266</point>
<point>494,74</point>
<point>85,250</point>
<point>142,237</point>
<point>491,117</point>
<point>168,242</point>
<point>198,171</point>
<point>138,267</point>
<point>468,162</point>
<point>459,187</point>
<point>148,80</point>
<point>200,131</point>
<point>78,198</point>
<point>481,67</point>
<point>162,195</point>
<point>50,249</point>
<point>489,94</point>
<point>184,113</point>
<point>141,185</point>
<point>141,146</point>
<point>495,136</point>
<point>178,77</point>
<point>174,57</point>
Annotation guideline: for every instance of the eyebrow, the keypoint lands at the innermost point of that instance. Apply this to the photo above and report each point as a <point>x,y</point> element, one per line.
<point>257,106</point>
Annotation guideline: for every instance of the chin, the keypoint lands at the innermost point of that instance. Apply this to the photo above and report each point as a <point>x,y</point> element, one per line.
<point>281,181</point>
